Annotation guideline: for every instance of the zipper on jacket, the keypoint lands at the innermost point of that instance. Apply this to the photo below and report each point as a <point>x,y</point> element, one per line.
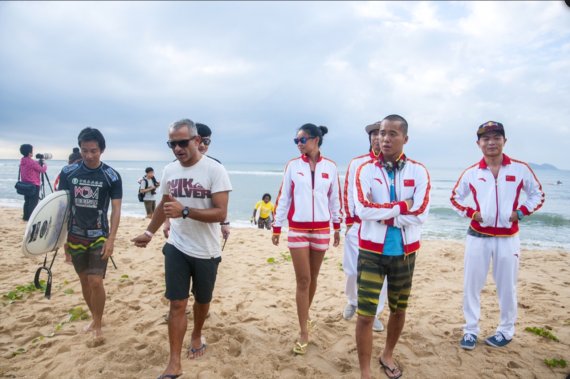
<point>496,202</point>
<point>313,173</point>
<point>402,233</point>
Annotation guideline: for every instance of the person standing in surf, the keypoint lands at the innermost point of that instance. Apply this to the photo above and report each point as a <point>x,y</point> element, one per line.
<point>195,194</point>
<point>309,199</point>
<point>92,186</point>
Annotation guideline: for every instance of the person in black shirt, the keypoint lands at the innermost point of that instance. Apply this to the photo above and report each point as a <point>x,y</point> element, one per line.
<point>92,186</point>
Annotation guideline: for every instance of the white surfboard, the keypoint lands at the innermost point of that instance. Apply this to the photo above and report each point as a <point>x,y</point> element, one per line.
<point>47,227</point>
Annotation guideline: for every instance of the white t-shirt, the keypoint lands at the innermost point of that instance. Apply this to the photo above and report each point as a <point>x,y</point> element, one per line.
<point>148,196</point>
<point>193,187</point>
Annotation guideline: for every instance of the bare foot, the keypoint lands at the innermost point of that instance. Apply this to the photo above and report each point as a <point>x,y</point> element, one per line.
<point>197,348</point>
<point>89,327</point>
<point>96,339</point>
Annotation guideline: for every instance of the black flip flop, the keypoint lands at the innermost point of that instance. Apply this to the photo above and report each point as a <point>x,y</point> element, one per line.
<point>391,370</point>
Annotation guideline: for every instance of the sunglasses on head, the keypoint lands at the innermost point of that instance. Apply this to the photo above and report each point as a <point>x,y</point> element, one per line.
<point>206,141</point>
<point>182,143</point>
<point>303,140</point>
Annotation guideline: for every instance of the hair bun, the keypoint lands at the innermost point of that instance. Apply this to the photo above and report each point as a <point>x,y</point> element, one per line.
<point>324,130</point>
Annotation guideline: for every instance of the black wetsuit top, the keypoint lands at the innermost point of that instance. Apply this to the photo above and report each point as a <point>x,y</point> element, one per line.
<point>91,191</point>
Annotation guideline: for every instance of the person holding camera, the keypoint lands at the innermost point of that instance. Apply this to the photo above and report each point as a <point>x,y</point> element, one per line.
<point>30,172</point>
<point>148,186</point>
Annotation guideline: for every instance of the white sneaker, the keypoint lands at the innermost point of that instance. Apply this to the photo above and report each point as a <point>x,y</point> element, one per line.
<point>349,311</point>
<point>377,326</point>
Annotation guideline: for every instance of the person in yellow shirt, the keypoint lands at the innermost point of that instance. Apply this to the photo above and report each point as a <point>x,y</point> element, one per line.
<point>266,209</point>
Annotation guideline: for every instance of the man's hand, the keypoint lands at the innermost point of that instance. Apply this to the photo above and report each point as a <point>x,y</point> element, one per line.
<point>275,239</point>
<point>141,240</point>
<point>409,203</point>
<point>347,229</point>
<point>514,217</point>
<point>336,238</point>
<point>108,248</point>
<point>172,208</point>
<point>225,231</point>
<point>477,217</point>
<point>166,228</point>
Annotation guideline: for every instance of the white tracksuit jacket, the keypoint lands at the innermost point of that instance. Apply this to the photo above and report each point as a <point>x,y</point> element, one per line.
<point>411,182</point>
<point>496,199</point>
<point>308,203</point>
<point>348,199</point>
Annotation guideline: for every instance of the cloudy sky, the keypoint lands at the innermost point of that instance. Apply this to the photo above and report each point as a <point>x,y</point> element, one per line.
<point>254,72</point>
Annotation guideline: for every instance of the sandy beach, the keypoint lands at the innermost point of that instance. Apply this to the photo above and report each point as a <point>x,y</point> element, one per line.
<point>253,325</point>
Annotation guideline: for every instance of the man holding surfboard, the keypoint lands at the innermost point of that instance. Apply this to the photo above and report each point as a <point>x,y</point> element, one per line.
<point>92,186</point>
<point>195,197</point>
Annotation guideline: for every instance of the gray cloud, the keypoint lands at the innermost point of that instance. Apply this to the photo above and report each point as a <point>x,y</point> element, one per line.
<point>255,72</point>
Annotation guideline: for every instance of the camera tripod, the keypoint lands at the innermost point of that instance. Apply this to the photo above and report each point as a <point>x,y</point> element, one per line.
<point>44,179</point>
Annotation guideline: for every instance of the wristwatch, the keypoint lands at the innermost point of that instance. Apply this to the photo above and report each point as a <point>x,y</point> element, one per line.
<point>185,212</point>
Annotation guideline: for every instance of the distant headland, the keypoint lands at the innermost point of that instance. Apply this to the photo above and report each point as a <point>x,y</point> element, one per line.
<point>544,166</point>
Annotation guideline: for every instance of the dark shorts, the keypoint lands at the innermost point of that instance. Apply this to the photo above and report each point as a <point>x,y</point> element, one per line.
<point>264,223</point>
<point>149,206</point>
<point>86,256</point>
<point>372,269</point>
<point>181,268</point>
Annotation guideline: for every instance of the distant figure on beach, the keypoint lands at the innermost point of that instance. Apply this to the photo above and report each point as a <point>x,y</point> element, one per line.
<point>74,157</point>
<point>195,192</point>
<point>265,208</point>
<point>350,257</point>
<point>148,187</point>
<point>311,183</point>
<point>391,196</point>
<point>494,183</point>
<point>92,186</point>
<point>30,171</point>
<point>205,134</point>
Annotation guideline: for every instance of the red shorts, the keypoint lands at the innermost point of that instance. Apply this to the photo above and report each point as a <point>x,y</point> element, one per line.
<point>316,240</point>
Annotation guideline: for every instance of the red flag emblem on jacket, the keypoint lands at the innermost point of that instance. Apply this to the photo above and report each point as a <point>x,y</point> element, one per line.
<point>409,183</point>
<point>325,175</point>
<point>511,178</point>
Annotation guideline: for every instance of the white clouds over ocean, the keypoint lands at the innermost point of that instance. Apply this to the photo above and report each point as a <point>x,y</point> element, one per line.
<point>256,71</point>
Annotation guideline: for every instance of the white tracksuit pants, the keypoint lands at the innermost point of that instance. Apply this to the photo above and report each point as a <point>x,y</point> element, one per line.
<point>350,267</point>
<point>504,252</point>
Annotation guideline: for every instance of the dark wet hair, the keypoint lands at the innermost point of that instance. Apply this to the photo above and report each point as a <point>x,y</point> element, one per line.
<point>148,169</point>
<point>315,131</point>
<point>203,130</point>
<point>401,120</point>
<point>91,134</point>
<point>264,195</point>
<point>26,149</point>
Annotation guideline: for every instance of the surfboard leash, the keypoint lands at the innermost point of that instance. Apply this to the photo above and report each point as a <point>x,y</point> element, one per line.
<point>47,293</point>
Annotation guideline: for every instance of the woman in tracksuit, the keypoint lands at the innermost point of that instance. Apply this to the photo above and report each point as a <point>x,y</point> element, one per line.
<point>309,199</point>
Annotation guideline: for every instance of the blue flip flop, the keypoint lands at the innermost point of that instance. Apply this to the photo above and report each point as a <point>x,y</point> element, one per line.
<point>198,350</point>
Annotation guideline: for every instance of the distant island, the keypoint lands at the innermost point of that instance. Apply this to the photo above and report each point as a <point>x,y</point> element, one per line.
<point>544,166</point>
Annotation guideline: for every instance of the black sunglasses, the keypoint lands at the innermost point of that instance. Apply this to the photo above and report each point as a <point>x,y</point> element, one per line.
<point>182,143</point>
<point>303,140</point>
<point>206,141</point>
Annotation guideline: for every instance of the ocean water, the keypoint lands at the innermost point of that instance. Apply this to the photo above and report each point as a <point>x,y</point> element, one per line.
<point>546,229</point>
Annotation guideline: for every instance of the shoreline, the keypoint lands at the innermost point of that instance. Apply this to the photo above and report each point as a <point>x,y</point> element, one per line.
<point>253,323</point>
